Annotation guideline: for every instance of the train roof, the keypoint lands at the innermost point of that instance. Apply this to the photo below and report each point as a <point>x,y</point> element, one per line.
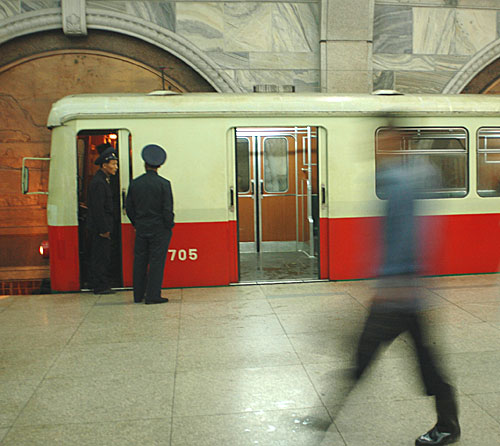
<point>158,104</point>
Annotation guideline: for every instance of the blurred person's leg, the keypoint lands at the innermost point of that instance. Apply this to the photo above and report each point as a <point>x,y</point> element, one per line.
<point>382,326</point>
<point>447,428</point>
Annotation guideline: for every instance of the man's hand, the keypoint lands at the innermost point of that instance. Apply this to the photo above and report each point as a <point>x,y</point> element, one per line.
<point>106,235</point>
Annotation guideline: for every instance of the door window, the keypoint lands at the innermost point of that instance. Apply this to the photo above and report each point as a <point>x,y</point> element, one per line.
<point>275,165</point>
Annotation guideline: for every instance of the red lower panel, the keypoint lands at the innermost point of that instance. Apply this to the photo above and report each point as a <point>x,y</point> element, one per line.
<point>64,258</point>
<point>200,254</point>
<point>204,254</point>
<point>354,249</point>
<point>462,244</point>
<point>450,244</point>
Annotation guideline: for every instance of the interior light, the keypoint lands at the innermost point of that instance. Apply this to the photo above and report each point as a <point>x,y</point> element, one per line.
<point>44,249</point>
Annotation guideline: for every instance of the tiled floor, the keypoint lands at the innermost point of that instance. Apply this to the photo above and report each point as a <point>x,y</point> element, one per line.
<point>248,365</point>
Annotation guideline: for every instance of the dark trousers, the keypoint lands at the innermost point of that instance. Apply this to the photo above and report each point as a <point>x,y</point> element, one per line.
<point>150,253</point>
<point>382,327</point>
<point>99,262</point>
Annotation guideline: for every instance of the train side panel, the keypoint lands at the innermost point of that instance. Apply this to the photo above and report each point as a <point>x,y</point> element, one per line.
<point>62,211</point>
<point>457,235</point>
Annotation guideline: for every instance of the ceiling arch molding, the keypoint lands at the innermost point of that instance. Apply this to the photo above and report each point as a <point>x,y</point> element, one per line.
<point>471,69</point>
<point>50,19</point>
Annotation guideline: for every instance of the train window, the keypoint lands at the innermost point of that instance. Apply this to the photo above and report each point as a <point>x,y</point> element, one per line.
<point>488,162</point>
<point>441,151</point>
<point>243,161</point>
<point>275,164</point>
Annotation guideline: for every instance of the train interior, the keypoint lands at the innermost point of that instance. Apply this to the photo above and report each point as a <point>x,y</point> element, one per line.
<point>278,212</point>
<point>87,153</point>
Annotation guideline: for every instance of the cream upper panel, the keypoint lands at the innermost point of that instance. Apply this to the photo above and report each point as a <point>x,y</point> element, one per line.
<point>62,203</point>
<point>202,172</point>
<point>351,167</point>
<point>216,104</point>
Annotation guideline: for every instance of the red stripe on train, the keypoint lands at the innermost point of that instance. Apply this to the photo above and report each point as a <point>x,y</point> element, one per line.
<point>200,254</point>
<point>64,258</point>
<point>450,244</point>
<point>205,254</point>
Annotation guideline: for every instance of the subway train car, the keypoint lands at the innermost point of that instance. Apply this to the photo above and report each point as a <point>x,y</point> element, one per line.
<point>271,187</point>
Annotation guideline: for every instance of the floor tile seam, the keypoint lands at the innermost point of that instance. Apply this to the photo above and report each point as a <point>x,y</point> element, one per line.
<point>487,300</point>
<point>49,368</point>
<point>114,374</point>
<point>141,341</point>
<point>261,367</point>
<point>231,336</point>
<point>183,370</point>
<point>229,300</point>
<point>306,371</point>
<point>305,295</point>
<point>318,394</point>
<point>496,420</point>
<point>225,313</point>
<point>9,428</point>
<point>457,306</point>
<point>245,412</point>
<point>330,310</point>
<point>174,385</point>
<point>495,325</point>
<point>462,287</point>
<point>84,423</point>
<point>287,335</point>
<point>332,417</point>
<point>365,305</point>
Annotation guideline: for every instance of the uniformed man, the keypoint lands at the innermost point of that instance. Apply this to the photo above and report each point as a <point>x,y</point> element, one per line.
<point>149,207</point>
<point>101,220</point>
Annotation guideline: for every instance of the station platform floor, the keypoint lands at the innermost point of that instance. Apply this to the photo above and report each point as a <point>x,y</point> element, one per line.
<point>239,366</point>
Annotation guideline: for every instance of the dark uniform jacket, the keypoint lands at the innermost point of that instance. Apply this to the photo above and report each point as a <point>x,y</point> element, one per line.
<point>149,204</point>
<point>100,204</point>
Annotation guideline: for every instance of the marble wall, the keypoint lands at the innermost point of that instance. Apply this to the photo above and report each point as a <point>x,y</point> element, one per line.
<point>414,45</point>
<point>420,45</point>
<point>252,42</point>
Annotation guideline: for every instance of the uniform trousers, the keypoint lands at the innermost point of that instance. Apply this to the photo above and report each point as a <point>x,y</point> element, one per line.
<point>382,327</point>
<point>149,262</point>
<point>99,262</point>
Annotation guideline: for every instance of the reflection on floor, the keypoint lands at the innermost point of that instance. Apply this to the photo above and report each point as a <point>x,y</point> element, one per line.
<point>258,365</point>
<point>275,266</point>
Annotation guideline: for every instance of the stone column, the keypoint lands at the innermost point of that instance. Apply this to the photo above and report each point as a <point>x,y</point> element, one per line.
<point>346,46</point>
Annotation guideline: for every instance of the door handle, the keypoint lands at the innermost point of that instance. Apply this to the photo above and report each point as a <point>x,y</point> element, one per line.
<point>261,188</point>
<point>231,198</point>
<point>323,195</point>
<point>124,197</point>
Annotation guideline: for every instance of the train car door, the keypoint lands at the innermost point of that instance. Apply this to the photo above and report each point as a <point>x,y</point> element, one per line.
<point>88,142</point>
<point>278,214</point>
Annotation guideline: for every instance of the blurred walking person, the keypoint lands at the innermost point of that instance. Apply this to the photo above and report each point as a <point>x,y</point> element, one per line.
<point>397,304</point>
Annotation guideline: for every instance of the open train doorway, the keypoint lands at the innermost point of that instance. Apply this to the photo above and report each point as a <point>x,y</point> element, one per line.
<point>89,144</point>
<point>278,203</point>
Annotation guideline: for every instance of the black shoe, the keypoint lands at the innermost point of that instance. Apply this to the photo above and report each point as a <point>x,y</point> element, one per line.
<point>105,291</point>
<point>436,436</point>
<point>161,300</point>
<point>138,301</point>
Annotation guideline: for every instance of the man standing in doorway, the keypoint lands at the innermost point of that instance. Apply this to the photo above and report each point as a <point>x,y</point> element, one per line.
<point>101,220</point>
<point>149,207</point>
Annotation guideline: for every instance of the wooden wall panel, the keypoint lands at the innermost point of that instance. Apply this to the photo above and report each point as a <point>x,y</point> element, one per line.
<point>36,71</point>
